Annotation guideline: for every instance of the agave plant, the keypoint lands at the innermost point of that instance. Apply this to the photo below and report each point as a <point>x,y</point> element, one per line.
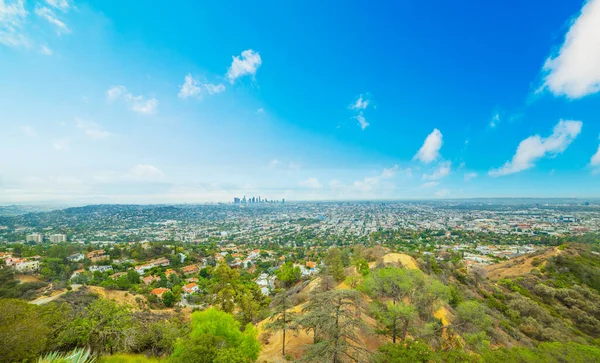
<point>79,355</point>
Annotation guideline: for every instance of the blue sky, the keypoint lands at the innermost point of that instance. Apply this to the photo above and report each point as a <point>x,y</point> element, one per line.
<point>188,101</point>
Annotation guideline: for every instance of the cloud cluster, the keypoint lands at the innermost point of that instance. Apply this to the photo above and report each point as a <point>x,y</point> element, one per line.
<point>191,87</point>
<point>370,183</point>
<point>12,19</point>
<point>430,150</point>
<point>360,105</point>
<point>470,176</point>
<point>574,71</point>
<point>442,171</point>
<point>139,104</point>
<point>596,158</point>
<point>244,65</point>
<point>535,147</point>
<point>49,15</point>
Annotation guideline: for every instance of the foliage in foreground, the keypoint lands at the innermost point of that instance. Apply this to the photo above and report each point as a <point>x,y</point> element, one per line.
<point>216,337</point>
<point>78,355</point>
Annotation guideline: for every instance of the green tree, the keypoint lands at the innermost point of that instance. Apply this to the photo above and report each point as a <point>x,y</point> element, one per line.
<point>225,284</point>
<point>106,326</point>
<point>168,299</point>
<point>338,313</point>
<point>216,337</point>
<point>288,274</point>
<point>22,333</point>
<point>334,264</point>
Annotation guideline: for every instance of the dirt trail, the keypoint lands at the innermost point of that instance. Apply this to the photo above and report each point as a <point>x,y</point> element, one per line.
<point>46,299</point>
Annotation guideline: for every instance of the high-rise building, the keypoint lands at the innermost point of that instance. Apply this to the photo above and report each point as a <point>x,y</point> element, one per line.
<point>34,237</point>
<point>58,238</point>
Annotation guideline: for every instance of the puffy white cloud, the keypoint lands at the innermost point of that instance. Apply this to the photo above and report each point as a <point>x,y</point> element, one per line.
<point>574,71</point>
<point>362,121</point>
<point>115,92</point>
<point>469,176</point>
<point>28,130</point>
<point>50,16</point>
<point>145,172</point>
<point>596,158</point>
<point>360,104</point>
<point>142,105</point>
<point>139,104</point>
<point>12,18</point>
<point>430,150</point>
<point>430,184</point>
<point>246,64</point>
<point>441,172</point>
<point>535,147</point>
<point>91,129</point>
<point>191,87</point>
<point>312,183</point>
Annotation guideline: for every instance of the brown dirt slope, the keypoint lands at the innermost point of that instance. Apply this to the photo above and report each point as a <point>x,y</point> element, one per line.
<point>520,265</point>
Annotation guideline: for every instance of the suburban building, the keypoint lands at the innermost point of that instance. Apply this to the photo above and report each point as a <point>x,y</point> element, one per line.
<point>76,257</point>
<point>191,288</point>
<point>159,292</point>
<point>35,237</point>
<point>58,238</point>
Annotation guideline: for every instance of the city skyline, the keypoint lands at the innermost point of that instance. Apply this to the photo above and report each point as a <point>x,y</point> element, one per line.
<point>194,103</point>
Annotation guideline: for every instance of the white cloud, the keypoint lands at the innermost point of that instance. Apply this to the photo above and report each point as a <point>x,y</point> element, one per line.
<point>50,16</point>
<point>246,64</point>
<point>260,111</point>
<point>596,158</point>
<point>360,104</point>
<point>135,103</point>
<point>63,5</point>
<point>61,144</point>
<point>312,183</point>
<point>535,147</point>
<point>191,87</point>
<point>430,150</point>
<point>145,172</point>
<point>574,71</point>
<point>430,184</point>
<point>12,18</point>
<point>495,120</point>
<point>441,172</point>
<point>469,176</point>
<point>115,93</point>
<point>28,130</point>
<point>141,105</point>
<point>362,121</point>
<point>45,50</point>
<point>91,129</point>
<point>370,183</point>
